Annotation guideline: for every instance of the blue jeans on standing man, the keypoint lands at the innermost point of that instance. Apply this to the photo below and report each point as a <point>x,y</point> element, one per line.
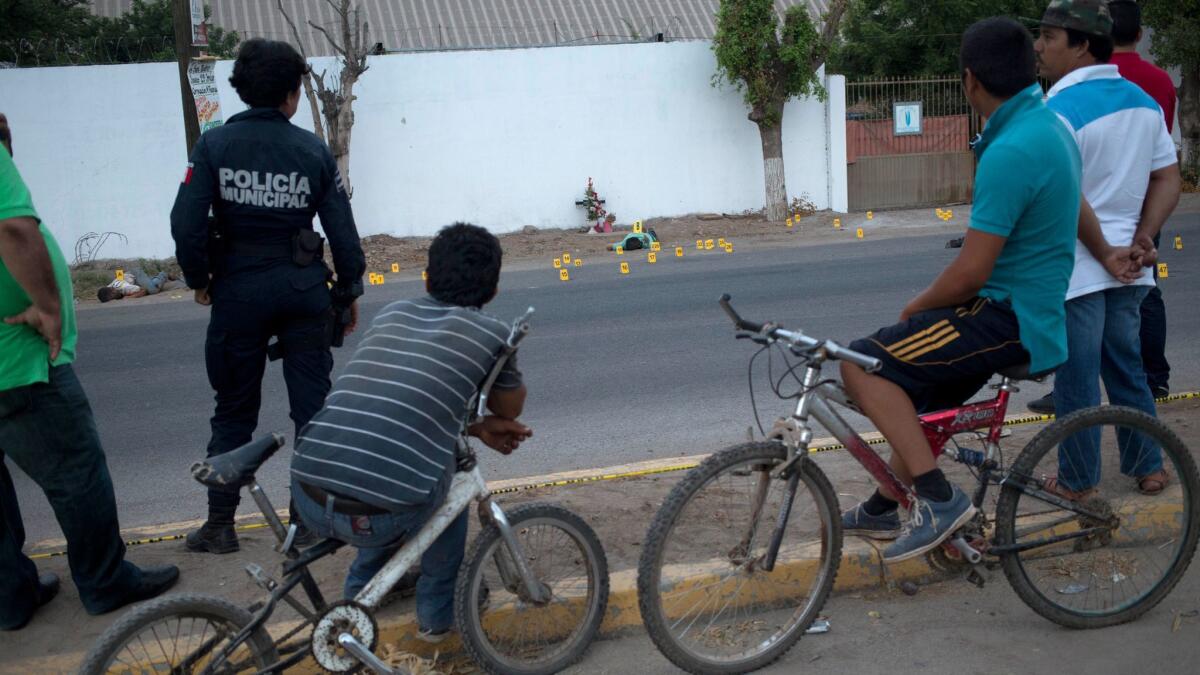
<point>377,540</point>
<point>1103,344</point>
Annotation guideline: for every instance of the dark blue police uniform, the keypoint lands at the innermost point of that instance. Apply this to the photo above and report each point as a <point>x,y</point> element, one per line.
<point>264,179</point>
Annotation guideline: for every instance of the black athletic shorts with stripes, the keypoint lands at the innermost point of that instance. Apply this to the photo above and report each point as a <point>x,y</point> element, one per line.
<point>941,357</point>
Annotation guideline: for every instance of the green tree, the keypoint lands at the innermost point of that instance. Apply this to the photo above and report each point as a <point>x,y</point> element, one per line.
<point>1175,41</point>
<point>769,66</point>
<point>907,38</point>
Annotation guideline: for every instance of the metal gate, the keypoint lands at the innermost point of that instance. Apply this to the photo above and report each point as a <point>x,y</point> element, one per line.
<point>908,143</point>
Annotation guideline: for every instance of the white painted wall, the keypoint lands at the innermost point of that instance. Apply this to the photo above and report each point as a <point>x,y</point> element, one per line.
<point>501,138</point>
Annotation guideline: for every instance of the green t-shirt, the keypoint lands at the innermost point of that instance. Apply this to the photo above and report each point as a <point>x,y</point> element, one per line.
<point>1027,190</point>
<point>24,355</point>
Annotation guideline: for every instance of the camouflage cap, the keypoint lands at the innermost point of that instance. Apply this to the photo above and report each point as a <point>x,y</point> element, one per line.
<point>1086,16</point>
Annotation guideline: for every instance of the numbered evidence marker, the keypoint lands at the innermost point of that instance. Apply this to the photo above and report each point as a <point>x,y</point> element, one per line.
<point>652,257</point>
<point>1162,270</point>
<point>564,275</point>
<point>729,247</point>
<point>655,246</point>
<point>789,222</point>
<point>708,244</point>
<point>721,242</point>
<point>579,262</point>
<point>120,275</point>
<point>624,268</point>
<point>424,275</point>
<point>620,250</point>
<point>870,215</point>
<point>566,258</point>
<point>557,263</point>
<point>678,251</point>
<point>395,268</point>
<point>859,233</point>
<point>699,244</point>
<point>837,223</point>
<point>1178,243</point>
<point>637,227</point>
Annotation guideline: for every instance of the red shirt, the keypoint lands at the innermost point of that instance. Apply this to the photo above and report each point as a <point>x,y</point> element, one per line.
<point>1152,79</point>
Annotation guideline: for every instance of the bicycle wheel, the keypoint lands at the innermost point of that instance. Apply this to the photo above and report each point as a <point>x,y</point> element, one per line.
<point>178,634</point>
<point>502,629</point>
<point>704,597</point>
<point>1139,545</point>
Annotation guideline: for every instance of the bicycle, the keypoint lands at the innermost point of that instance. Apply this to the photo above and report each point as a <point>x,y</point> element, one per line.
<point>516,612</point>
<point>1083,559</point>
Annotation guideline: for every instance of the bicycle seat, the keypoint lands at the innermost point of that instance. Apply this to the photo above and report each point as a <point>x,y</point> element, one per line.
<point>237,467</point>
<point>1021,372</point>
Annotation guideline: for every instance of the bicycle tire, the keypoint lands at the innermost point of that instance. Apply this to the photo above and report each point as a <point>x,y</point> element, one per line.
<point>470,579</point>
<point>177,606</point>
<point>650,571</point>
<point>1048,441</point>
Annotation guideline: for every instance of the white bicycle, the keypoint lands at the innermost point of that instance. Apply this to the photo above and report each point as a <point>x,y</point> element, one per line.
<point>529,598</point>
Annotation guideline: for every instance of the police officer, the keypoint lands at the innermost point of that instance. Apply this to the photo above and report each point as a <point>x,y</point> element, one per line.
<point>259,263</point>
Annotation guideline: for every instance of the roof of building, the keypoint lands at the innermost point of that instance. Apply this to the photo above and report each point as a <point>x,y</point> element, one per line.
<point>430,25</point>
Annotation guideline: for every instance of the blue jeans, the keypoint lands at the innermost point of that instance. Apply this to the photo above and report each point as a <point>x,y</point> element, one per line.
<point>47,430</point>
<point>377,539</point>
<point>1103,344</point>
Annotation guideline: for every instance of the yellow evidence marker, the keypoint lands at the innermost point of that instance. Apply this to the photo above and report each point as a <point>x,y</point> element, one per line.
<point>557,263</point>
<point>620,250</point>
<point>424,275</point>
<point>564,275</point>
<point>655,246</point>
<point>789,221</point>
<point>637,227</point>
<point>379,279</point>
<point>579,262</point>
<point>870,215</point>
<point>120,275</point>
<point>678,251</point>
<point>1162,271</point>
<point>859,233</point>
<point>699,244</point>
<point>624,268</point>
<point>566,258</point>
<point>395,268</point>
<point>708,244</point>
<point>729,247</point>
<point>652,257</point>
<point>837,223</point>
<point>721,242</point>
<point>1178,243</point>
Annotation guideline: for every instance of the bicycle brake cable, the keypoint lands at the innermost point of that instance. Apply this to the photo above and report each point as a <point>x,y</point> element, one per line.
<point>750,383</point>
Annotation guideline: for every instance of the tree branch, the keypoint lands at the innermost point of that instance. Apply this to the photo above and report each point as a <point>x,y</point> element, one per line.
<point>332,43</point>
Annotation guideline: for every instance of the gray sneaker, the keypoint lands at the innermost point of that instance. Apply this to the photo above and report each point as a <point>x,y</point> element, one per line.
<point>930,524</point>
<point>884,526</point>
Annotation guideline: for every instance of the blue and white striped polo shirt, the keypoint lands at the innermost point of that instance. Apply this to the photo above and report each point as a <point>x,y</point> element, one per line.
<point>1122,138</point>
<point>387,432</point>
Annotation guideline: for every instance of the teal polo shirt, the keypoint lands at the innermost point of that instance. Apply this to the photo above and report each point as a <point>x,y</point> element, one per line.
<point>1027,190</point>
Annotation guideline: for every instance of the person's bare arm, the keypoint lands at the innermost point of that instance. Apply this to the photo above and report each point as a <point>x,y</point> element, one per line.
<point>5,134</point>
<point>963,278</point>
<point>507,403</point>
<point>1162,195</point>
<point>24,253</point>
<point>1118,260</point>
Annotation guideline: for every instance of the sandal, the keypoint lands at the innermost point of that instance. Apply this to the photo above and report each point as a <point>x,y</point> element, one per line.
<point>1051,485</point>
<point>1153,483</point>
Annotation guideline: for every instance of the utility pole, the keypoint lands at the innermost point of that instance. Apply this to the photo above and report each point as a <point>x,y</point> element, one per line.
<point>182,14</point>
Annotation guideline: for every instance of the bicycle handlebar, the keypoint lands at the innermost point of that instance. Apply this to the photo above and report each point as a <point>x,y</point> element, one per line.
<point>832,349</point>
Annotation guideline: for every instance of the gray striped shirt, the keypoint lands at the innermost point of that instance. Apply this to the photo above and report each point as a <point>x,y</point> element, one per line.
<point>388,431</point>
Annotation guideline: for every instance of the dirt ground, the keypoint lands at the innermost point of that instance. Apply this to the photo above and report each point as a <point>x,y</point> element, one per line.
<point>619,511</point>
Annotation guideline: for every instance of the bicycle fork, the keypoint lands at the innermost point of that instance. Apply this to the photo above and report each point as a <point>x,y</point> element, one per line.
<point>514,569</point>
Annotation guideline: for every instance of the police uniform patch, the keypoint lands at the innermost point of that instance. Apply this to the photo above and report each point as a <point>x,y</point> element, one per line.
<point>187,176</point>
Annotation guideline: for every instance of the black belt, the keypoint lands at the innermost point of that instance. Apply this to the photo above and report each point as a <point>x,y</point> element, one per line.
<point>246,248</point>
<point>343,505</point>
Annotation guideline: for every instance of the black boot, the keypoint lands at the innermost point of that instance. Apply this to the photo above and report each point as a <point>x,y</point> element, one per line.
<point>213,538</point>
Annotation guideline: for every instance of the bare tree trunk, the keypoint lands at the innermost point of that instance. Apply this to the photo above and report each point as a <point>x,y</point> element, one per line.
<point>314,107</point>
<point>1189,121</point>
<point>773,175</point>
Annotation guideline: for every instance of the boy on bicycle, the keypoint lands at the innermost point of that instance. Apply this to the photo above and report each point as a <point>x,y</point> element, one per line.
<point>376,462</point>
<point>998,305</point>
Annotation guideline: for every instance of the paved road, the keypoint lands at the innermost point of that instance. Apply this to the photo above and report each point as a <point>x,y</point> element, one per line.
<point>954,629</point>
<point>620,369</point>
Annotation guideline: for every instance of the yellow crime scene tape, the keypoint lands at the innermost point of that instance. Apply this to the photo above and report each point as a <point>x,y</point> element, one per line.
<point>624,475</point>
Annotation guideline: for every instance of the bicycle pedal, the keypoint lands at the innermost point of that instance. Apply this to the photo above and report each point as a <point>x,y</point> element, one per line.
<point>260,577</point>
<point>976,578</point>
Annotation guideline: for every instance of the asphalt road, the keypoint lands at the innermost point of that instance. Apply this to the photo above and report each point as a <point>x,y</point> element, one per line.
<point>619,368</point>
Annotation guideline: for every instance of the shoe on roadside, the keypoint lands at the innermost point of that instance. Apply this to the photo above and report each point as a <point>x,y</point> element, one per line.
<point>432,637</point>
<point>858,522</point>
<point>155,581</point>
<point>1160,391</point>
<point>1043,405</point>
<point>47,587</point>
<point>213,538</point>
<point>930,523</point>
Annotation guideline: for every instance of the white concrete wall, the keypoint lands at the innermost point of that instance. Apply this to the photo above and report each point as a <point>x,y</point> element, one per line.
<point>501,138</point>
<point>835,105</point>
